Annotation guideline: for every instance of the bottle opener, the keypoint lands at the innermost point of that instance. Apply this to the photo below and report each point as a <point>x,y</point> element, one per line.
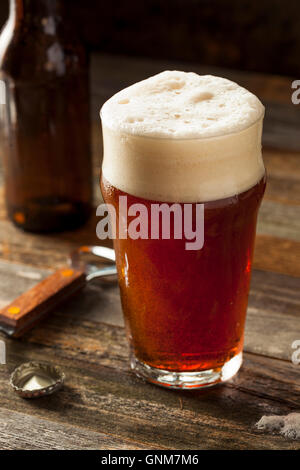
<point>25,311</point>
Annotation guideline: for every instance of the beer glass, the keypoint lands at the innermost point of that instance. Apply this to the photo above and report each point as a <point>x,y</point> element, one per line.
<point>184,305</point>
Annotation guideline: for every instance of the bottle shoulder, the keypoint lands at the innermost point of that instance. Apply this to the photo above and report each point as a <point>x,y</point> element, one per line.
<point>33,54</point>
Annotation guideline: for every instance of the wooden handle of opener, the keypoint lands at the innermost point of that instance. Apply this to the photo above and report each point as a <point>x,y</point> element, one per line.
<point>26,310</point>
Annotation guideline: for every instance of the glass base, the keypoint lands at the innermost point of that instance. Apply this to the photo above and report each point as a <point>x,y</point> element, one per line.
<point>187,380</point>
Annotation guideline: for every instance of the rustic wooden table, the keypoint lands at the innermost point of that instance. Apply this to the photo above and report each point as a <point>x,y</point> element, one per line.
<point>103,405</point>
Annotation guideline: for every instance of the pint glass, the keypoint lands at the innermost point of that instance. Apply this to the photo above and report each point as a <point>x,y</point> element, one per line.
<point>183,147</point>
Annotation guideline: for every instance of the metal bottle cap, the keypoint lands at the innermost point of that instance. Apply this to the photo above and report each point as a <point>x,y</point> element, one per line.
<point>35,379</point>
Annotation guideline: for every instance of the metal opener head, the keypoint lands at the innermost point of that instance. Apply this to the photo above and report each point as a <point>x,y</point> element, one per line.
<point>83,259</point>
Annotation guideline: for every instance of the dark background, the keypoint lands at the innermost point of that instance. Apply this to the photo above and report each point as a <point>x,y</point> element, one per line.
<point>256,35</point>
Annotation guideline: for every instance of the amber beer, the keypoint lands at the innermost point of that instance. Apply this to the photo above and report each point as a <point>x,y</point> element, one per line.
<point>185,310</point>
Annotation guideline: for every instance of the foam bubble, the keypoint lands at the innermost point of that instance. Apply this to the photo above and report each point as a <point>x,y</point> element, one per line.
<point>181,137</point>
<point>209,106</point>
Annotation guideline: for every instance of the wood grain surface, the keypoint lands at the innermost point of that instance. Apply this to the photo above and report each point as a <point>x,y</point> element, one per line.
<point>103,405</point>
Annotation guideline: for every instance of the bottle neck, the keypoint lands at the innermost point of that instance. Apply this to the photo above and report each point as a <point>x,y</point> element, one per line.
<point>34,11</point>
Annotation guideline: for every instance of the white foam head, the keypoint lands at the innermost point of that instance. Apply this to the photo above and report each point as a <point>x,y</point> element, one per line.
<point>183,137</point>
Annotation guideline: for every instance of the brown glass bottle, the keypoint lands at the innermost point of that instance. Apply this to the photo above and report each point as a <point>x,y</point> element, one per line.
<point>45,128</point>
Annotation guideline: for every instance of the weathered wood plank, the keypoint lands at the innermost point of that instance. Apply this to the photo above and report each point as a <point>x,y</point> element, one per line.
<point>273,318</point>
<point>101,394</point>
<point>278,255</point>
<point>282,164</point>
<point>48,251</point>
<point>27,432</point>
<point>271,334</point>
<point>279,220</point>
<point>282,190</point>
